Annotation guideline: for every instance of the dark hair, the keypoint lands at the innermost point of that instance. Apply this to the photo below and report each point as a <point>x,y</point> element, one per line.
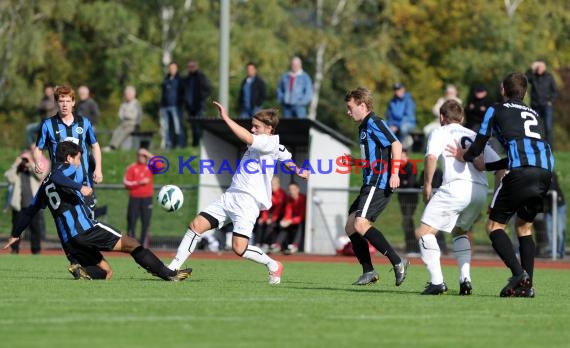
<point>64,149</point>
<point>251,63</point>
<point>515,85</point>
<point>452,111</point>
<point>269,117</point>
<point>360,95</point>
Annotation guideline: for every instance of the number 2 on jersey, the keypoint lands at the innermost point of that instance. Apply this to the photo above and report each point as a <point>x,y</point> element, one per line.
<point>530,121</point>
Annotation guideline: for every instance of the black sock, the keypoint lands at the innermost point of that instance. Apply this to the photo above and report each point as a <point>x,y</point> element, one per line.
<point>151,263</point>
<point>96,272</point>
<point>360,247</point>
<point>376,238</point>
<point>527,249</point>
<point>504,248</point>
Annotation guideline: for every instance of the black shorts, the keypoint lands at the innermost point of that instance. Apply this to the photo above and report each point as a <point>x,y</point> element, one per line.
<point>100,237</point>
<point>371,201</point>
<point>522,191</point>
<point>84,255</point>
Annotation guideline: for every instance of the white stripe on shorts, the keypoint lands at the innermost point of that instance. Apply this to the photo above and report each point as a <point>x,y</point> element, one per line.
<point>107,228</point>
<point>368,200</point>
<point>496,194</point>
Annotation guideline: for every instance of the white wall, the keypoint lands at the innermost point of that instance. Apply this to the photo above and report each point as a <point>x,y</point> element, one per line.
<point>327,195</point>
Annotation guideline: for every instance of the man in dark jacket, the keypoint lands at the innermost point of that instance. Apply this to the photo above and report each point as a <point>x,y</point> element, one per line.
<point>171,121</point>
<point>543,94</point>
<point>477,104</point>
<point>252,92</point>
<point>196,89</point>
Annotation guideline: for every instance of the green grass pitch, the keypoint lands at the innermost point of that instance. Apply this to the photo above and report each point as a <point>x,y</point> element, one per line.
<point>228,303</point>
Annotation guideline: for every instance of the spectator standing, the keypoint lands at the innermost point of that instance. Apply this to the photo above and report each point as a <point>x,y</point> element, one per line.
<point>401,114</point>
<point>171,121</point>
<point>87,107</point>
<point>45,109</point>
<point>266,227</point>
<point>130,114</point>
<point>408,203</point>
<point>560,233</point>
<point>450,94</point>
<point>252,92</point>
<point>543,94</point>
<point>292,226</point>
<point>138,180</point>
<point>295,90</point>
<point>26,184</point>
<point>196,89</point>
<point>477,104</point>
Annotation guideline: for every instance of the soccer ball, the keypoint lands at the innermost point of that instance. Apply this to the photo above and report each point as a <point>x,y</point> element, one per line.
<point>170,197</point>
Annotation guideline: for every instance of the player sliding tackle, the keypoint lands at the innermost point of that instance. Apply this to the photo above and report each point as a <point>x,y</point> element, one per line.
<point>85,237</point>
<point>247,194</point>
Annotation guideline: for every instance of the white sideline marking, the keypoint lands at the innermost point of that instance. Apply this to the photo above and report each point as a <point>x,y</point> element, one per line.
<point>105,318</point>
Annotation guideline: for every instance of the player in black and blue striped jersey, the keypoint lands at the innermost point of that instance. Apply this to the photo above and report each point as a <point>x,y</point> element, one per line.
<point>380,161</point>
<point>65,125</point>
<point>74,223</point>
<point>530,162</point>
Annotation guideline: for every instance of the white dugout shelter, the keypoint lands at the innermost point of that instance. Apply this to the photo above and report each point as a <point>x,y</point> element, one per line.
<point>311,143</point>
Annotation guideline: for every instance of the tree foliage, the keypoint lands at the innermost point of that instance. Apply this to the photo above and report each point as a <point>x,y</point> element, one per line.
<point>343,43</point>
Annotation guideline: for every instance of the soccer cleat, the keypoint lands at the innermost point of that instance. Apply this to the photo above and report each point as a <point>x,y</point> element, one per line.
<point>78,272</point>
<point>180,275</point>
<point>465,288</point>
<point>401,270</point>
<point>524,292</point>
<point>435,289</point>
<point>275,277</point>
<point>367,278</point>
<point>520,283</point>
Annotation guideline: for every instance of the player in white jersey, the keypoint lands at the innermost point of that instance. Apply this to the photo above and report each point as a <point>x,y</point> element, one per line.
<point>457,203</point>
<point>249,192</point>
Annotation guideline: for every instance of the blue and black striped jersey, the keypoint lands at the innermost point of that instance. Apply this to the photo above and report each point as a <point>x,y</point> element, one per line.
<point>376,139</point>
<point>69,212</point>
<point>521,132</point>
<point>53,131</point>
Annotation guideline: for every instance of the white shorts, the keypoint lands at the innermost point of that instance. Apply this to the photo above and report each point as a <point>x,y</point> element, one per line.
<point>241,208</point>
<point>457,203</point>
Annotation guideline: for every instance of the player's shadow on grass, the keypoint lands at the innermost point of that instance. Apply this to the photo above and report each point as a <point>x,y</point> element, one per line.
<point>376,290</point>
<point>367,289</point>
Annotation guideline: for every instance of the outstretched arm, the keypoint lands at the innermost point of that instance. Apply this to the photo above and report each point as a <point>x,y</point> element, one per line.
<point>242,133</point>
<point>302,173</point>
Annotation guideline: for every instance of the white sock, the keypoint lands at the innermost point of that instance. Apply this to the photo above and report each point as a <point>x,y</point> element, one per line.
<point>255,254</point>
<point>430,256</point>
<point>185,249</point>
<point>462,252</point>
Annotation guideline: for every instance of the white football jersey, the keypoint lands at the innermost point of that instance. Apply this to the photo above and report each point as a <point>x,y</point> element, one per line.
<point>452,134</point>
<point>257,167</point>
